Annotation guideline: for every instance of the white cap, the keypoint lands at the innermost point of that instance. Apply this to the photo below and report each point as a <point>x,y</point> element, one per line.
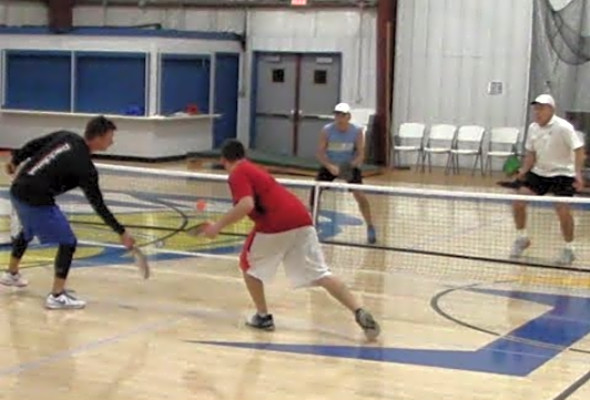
<point>342,108</point>
<point>545,99</point>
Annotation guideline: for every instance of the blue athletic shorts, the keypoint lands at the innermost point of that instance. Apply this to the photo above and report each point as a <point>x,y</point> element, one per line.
<point>47,223</point>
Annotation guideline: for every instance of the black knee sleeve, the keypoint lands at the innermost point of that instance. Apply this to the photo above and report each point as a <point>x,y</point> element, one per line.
<point>63,260</point>
<point>19,246</point>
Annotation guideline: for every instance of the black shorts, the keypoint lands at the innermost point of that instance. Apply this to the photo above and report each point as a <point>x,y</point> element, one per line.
<point>325,175</point>
<point>557,185</point>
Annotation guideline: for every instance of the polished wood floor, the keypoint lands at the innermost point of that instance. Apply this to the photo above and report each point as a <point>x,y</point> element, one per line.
<point>453,327</point>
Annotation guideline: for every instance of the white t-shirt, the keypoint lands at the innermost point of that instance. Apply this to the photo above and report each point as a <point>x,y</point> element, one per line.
<point>554,146</point>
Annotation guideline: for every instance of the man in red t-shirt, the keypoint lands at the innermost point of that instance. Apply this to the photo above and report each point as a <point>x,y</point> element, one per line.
<point>283,232</point>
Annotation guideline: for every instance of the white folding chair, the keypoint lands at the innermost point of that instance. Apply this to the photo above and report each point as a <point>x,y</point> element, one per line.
<point>409,139</point>
<point>440,141</point>
<point>503,143</point>
<point>469,142</point>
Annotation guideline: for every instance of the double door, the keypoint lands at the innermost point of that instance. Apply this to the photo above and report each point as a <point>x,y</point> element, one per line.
<point>295,95</point>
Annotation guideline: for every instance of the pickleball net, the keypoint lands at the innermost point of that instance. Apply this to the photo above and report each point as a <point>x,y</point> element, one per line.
<point>465,236</point>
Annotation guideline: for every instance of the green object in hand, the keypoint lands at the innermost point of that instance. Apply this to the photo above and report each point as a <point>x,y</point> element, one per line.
<point>512,165</point>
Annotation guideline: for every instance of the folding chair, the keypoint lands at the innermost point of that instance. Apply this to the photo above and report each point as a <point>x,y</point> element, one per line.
<point>469,142</point>
<point>440,141</point>
<point>413,134</point>
<point>503,143</point>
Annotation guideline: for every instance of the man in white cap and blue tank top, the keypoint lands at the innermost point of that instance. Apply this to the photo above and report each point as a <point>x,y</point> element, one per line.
<point>342,142</point>
<point>553,164</point>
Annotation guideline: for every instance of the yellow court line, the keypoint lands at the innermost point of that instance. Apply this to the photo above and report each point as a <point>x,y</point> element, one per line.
<point>563,281</point>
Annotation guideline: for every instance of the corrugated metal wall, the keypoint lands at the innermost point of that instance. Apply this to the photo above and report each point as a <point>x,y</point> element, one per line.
<point>449,50</point>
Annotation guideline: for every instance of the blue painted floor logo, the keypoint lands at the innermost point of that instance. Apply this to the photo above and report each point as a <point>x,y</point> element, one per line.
<point>517,353</point>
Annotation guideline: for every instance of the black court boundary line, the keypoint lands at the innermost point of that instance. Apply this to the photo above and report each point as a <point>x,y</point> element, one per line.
<point>459,256</point>
<point>573,387</point>
<point>434,304</point>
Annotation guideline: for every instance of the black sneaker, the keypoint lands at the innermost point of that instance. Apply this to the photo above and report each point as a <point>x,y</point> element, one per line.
<point>265,323</point>
<point>367,323</point>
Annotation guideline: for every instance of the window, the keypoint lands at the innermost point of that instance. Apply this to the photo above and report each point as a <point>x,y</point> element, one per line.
<point>320,76</point>
<point>278,75</point>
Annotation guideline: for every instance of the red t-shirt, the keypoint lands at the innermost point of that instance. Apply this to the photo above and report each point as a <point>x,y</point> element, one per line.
<point>276,209</point>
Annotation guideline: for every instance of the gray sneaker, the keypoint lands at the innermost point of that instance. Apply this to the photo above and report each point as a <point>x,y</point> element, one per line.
<point>64,301</point>
<point>519,246</point>
<point>367,323</point>
<point>566,257</point>
<point>17,280</point>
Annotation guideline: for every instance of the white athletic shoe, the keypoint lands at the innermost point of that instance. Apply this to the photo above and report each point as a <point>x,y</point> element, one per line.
<point>65,301</point>
<point>519,246</point>
<point>566,257</point>
<point>17,280</point>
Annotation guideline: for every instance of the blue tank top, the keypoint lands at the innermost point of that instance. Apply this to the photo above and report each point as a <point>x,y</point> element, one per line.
<point>341,144</point>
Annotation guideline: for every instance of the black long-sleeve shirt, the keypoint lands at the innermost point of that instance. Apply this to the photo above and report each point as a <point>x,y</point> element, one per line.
<point>54,164</point>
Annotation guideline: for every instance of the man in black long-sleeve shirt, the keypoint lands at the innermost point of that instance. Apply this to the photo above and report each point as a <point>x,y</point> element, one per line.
<point>47,167</point>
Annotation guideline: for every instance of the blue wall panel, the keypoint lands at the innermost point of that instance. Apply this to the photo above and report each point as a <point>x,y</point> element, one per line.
<point>109,82</point>
<point>38,80</point>
<point>185,80</point>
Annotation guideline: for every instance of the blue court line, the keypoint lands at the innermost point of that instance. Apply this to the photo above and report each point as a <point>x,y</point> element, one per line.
<point>62,355</point>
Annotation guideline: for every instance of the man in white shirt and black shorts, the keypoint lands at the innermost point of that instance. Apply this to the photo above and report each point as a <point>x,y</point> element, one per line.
<point>553,164</point>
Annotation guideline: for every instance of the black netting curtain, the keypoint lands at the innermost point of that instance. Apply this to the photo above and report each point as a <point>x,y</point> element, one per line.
<point>560,58</point>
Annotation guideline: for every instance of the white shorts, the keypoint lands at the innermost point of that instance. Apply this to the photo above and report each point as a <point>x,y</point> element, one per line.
<point>298,249</point>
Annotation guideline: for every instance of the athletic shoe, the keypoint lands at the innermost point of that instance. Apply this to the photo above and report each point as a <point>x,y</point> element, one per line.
<point>519,246</point>
<point>64,301</point>
<point>566,257</point>
<point>367,323</point>
<point>17,280</point>
<point>265,323</point>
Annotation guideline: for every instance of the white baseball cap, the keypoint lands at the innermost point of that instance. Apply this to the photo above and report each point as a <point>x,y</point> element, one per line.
<point>545,99</point>
<point>342,108</point>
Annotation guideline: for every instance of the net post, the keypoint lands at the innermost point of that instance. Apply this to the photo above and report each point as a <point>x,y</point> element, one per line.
<point>316,202</point>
